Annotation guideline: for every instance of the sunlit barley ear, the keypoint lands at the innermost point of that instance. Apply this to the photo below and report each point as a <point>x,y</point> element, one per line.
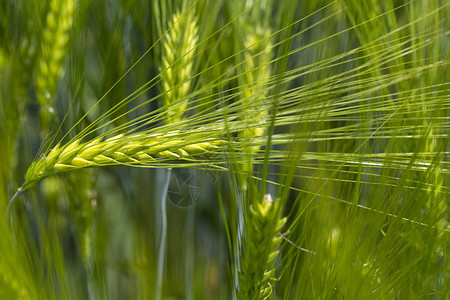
<point>263,225</point>
<point>177,63</point>
<point>137,149</point>
<point>258,55</point>
<point>50,65</point>
<point>253,87</point>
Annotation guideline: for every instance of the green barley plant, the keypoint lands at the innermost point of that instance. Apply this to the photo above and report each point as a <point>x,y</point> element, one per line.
<point>176,66</point>
<point>336,109</point>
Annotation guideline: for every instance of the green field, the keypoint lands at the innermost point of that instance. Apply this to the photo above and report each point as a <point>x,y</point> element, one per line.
<point>216,149</point>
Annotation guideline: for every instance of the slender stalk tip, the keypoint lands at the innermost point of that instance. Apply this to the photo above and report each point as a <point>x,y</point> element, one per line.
<point>19,192</point>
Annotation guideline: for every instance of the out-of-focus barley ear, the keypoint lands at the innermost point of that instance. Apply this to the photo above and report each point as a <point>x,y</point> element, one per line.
<point>16,78</point>
<point>50,65</point>
<point>137,149</point>
<point>253,88</point>
<point>177,63</point>
<point>83,204</point>
<point>263,225</point>
<point>26,61</point>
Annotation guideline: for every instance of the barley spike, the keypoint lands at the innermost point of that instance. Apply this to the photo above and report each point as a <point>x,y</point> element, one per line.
<point>257,270</point>
<point>136,149</point>
<point>177,63</point>
<point>50,68</point>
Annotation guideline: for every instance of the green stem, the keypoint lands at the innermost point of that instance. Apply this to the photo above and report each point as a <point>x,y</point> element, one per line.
<point>13,199</point>
<point>162,241</point>
<point>19,192</point>
<point>189,264</point>
<point>89,278</point>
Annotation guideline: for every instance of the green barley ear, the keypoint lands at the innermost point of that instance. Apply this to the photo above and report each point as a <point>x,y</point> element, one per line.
<point>177,64</point>
<point>257,265</point>
<point>258,55</point>
<point>138,149</point>
<point>253,90</point>
<point>50,66</point>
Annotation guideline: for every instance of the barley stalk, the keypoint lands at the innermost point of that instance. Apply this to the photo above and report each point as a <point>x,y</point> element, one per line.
<point>257,270</point>
<point>137,149</point>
